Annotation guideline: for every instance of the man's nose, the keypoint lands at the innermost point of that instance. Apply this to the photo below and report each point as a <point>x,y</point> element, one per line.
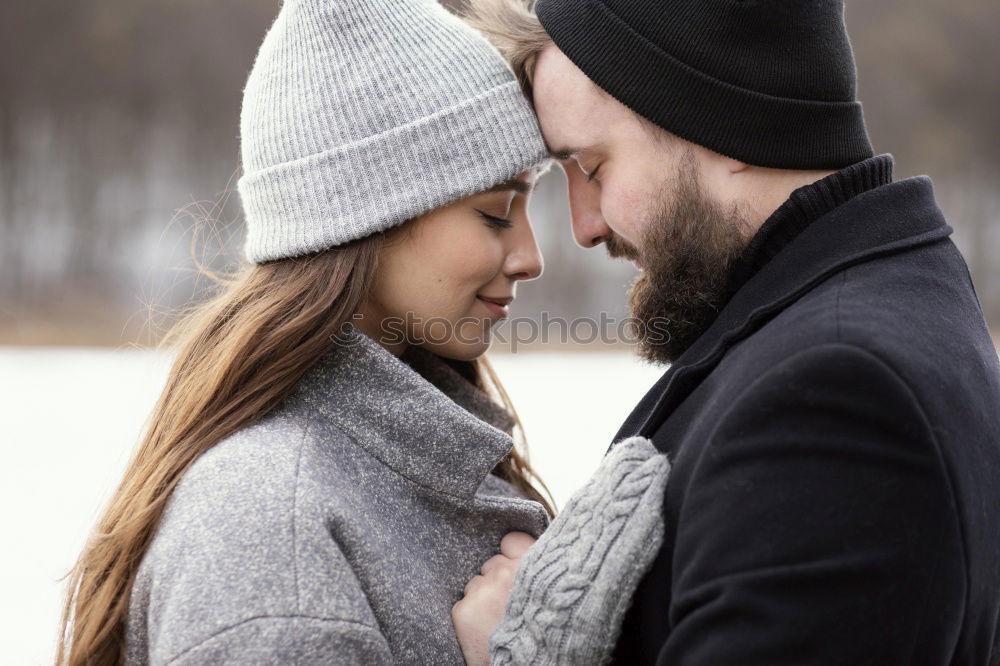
<point>589,227</point>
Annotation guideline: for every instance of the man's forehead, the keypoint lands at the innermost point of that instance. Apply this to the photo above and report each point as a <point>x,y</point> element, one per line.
<point>570,106</point>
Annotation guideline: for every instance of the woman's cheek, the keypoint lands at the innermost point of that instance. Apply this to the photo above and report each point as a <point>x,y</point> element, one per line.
<point>476,264</point>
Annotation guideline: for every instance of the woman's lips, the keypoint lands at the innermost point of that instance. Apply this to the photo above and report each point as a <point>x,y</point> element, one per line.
<point>497,306</point>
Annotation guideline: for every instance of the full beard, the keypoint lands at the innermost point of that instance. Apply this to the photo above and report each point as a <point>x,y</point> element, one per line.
<point>687,252</point>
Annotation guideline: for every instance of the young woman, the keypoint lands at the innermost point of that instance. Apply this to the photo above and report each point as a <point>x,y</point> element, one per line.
<point>331,458</point>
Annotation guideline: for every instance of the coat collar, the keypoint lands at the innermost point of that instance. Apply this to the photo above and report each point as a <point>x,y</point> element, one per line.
<point>885,220</point>
<point>414,413</point>
<point>806,205</point>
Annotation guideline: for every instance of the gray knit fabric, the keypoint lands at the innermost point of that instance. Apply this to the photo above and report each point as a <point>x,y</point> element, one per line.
<point>340,529</point>
<point>574,585</point>
<point>361,114</point>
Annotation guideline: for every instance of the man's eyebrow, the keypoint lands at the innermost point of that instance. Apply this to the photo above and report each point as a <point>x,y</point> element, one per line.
<point>562,154</point>
<point>518,186</point>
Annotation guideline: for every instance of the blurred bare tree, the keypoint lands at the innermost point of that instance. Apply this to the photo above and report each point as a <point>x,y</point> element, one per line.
<point>113,115</point>
<point>119,129</point>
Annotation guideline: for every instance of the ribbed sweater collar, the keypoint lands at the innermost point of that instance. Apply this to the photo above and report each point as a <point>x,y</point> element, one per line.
<point>806,205</point>
<point>414,413</point>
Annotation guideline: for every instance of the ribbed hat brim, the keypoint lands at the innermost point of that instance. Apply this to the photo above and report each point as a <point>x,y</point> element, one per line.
<point>737,122</point>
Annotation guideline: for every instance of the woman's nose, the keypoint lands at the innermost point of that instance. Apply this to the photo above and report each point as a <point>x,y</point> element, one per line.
<point>524,261</point>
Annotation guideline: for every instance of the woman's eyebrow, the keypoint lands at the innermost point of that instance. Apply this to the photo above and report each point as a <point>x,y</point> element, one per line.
<point>518,186</point>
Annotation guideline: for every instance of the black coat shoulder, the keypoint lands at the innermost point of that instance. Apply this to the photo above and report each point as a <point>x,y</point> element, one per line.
<point>835,482</point>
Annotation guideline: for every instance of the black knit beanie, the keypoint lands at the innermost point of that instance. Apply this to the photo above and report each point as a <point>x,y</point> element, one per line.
<point>767,82</point>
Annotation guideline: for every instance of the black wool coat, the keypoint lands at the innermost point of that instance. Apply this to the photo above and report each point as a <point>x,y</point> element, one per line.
<point>834,435</point>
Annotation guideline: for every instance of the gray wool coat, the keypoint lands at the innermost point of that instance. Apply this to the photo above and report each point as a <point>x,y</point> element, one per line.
<point>339,529</point>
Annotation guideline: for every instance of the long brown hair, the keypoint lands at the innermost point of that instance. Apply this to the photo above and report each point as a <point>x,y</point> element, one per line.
<point>238,356</point>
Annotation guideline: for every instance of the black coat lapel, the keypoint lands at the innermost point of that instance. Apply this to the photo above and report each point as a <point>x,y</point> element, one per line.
<point>888,219</point>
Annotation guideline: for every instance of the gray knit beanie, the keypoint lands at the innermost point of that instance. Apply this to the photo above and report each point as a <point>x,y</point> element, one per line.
<point>361,114</point>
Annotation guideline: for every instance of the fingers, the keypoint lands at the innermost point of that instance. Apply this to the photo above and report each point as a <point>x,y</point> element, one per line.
<point>473,583</point>
<point>515,544</point>
<point>501,568</point>
<point>493,563</point>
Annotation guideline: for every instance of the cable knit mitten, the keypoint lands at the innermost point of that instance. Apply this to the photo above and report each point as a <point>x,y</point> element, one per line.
<point>574,585</point>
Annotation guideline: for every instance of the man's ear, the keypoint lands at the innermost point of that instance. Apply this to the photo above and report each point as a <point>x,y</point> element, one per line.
<point>733,166</point>
<point>722,176</point>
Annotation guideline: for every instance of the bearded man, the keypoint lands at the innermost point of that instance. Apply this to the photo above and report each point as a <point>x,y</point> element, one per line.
<point>830,418</point>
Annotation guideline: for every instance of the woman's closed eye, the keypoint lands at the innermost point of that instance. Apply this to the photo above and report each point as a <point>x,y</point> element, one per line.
<point>495,221</point>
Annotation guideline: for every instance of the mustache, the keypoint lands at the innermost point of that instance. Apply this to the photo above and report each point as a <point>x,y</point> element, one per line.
<point>619,248</point>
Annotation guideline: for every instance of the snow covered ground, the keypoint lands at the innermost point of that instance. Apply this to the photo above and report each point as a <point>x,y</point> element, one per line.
<point>70,417</point>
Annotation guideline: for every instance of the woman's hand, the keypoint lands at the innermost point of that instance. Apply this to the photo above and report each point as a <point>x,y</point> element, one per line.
<point>478,613</point>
